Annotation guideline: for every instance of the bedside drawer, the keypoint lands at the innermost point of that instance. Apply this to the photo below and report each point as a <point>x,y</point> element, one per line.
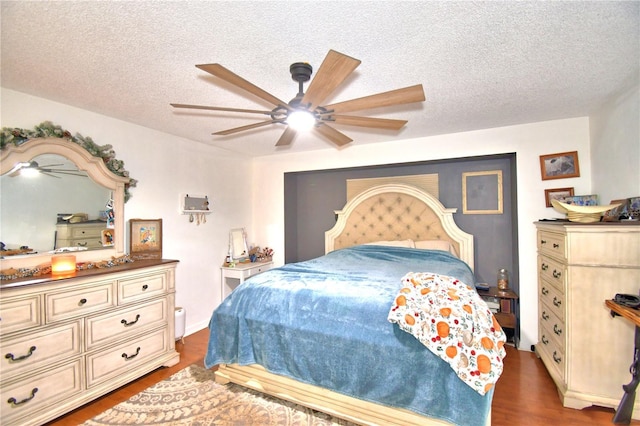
<point>126,322</point>
<point>552,244</point>
<point>256,270</point>
<point>141,287</point>
<point>20,314</point>
<point>21,399</point>
<point>82,301</point>
<point>120,359</point>
<point>34,350</point>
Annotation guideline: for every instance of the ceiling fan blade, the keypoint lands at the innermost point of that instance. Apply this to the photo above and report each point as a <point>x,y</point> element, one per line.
<point>49,174</point>
<point>212,108</point>
<point>287,137</point>
<point>247,127</point>
<point>230,77</point>
<point>377,123</point>
<point>335,68</point>
<point>405,95</point>
<point>332,134</point>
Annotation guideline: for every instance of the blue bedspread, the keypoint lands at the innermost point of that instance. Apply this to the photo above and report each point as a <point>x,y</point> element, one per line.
<point>324,322</point>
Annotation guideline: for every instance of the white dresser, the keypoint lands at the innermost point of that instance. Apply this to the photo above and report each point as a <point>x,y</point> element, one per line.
<point>83,234</point>
<point>65,342</point>
<point>585,350</point>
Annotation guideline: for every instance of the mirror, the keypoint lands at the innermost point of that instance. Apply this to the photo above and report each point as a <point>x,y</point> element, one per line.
<point>36,198</point>
<point>238,249</point>
<point>29,212</point>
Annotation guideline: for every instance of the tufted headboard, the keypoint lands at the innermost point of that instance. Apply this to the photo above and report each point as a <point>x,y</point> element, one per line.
<point>395,212</point>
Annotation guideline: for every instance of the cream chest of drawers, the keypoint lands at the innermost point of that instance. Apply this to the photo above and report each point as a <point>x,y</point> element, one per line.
<point>83,234</point>
<point>65,342</point>
<point>586,351</point>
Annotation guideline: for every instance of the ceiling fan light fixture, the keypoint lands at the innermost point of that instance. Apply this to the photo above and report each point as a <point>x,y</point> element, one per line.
<point>29,172</point>
<point>301,120</point>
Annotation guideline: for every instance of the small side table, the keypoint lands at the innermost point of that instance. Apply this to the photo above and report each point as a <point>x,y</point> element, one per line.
<point>507,315</point>
<point>232,277</point>
<point>625,408</point>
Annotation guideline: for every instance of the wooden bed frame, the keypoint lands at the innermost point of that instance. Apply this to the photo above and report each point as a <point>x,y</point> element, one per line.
<point>387,212</point>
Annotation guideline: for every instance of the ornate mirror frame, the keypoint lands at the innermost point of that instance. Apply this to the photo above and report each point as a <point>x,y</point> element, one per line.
<point>97,170</point>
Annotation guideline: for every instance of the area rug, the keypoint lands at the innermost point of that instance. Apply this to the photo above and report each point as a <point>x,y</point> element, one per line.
<point>192,397</point>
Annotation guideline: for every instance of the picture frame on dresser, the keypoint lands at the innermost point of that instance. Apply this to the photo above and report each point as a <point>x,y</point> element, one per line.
<point>556,194</point>
<point>145,239</point>
<point>559,166</point>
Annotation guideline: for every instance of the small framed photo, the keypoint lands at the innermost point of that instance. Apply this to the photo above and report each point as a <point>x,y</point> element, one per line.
<point>145,239</point>
<point>614,214</point>
<point>559,166</point>
<point>557,194</point>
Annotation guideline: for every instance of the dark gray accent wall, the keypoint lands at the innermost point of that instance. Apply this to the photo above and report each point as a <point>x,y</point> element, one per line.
<point>312,197</point>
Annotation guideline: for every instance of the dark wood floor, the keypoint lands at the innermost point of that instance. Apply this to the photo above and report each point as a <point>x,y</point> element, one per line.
<point>524,395</point>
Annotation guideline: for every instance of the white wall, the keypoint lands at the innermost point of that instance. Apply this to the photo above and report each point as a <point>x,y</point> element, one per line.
<point>615,148</point>
<point>164,166</point>
<point>528,141</point>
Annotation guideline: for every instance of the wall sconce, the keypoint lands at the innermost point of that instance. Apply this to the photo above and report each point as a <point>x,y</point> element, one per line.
<point>63,264</point>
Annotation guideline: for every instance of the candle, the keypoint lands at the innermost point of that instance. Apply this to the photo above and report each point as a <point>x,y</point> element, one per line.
<point>63,264</point>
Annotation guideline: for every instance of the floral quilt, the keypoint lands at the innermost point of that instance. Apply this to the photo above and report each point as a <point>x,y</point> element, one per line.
<point>451,319</point>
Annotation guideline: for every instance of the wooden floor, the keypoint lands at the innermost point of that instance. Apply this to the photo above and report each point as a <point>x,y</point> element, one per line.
<point>524,395</point>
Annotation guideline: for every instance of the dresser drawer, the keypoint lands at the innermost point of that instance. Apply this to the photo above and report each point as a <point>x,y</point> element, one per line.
<point>94,242</point>
<point>35,393</point>
<point>20,314</point>
<point>552,271</point>
<point>552,244</point>
<point>80,301</point>
<point>123,323</point>
<point>109,363</point>
<point>33,350</point>
<point>552,298</point>
<point>552,353</point>
<point>552,326</point>
<point>141,287</point>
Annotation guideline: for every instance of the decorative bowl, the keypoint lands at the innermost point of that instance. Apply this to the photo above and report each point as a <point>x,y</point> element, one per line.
<point>583,214</point>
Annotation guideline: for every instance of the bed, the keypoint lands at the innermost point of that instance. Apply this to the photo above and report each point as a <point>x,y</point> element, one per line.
<point>330,333</point>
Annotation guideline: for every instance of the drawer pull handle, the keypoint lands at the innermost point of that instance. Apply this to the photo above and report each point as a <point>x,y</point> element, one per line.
<point>545,340</point>
<point>82,301</point>
<point>557,330</point>
<point>82,244</point>
<point>556,358</point>
<point>14,402</point>
<point>545,316</point>
<point>10,356</point>
<point>544,267</point>
<point>543,242</point>
<point>544,291</point>
<point>144,287</point>
<point>556,245</point>
<point>126,324</point>
<point>128,357</point>
<point>556,274</point>
<point>556,301</point>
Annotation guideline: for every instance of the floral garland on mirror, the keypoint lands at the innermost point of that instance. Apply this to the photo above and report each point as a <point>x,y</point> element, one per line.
<point>16,136</point>
<point>45,268</point>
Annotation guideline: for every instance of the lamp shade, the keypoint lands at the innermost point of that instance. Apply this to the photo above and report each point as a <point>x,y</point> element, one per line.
<point>63,264</point>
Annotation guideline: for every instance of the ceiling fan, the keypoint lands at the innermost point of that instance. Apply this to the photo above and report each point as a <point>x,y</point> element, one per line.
<point>307,106</point>
<point>32,168</point>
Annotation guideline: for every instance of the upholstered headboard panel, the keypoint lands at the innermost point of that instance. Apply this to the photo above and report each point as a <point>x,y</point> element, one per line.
<point>397,212</point>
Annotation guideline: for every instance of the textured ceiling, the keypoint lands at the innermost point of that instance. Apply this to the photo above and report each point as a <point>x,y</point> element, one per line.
<point>482,64</point>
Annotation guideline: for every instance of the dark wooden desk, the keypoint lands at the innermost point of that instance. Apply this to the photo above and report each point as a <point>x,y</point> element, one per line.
<point>625,408</point>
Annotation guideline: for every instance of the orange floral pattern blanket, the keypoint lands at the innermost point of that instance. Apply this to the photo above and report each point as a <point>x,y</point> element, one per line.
<point>451,319</point>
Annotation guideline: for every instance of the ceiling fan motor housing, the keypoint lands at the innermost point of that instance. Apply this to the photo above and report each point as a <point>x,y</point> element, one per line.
<point>301,72</point>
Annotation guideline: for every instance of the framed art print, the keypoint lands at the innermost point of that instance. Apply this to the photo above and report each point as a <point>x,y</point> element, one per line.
<point>559,166</point>
<point>145,239</point>
<point>482,192</point>
<point>556,194</point>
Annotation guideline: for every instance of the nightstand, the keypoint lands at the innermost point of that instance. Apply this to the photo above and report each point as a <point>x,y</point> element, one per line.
<point>232,277</point>
<point>507,315</point>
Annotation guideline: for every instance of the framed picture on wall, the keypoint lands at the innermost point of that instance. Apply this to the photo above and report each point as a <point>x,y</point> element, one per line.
<point>556,194</point>
<point>559,166</point>
<point>145,239</point>
<point>482,192</point>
